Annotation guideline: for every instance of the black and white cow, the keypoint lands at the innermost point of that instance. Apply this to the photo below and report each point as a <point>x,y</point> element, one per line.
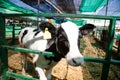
<point>64,43</point>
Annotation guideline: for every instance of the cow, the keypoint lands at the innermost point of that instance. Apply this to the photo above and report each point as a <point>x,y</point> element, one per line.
<point>64,42</point>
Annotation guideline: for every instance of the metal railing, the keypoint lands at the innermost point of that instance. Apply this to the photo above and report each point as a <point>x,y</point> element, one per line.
<point>106,62</point>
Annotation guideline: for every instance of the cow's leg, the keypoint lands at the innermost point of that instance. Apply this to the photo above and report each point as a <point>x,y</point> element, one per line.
<point>41,73</point>
<point>23,59</point>
<point>49,74</point>
<point>48,70</point>
<point>35,58</point>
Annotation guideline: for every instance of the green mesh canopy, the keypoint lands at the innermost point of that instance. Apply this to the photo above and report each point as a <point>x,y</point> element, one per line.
<point>7,11</point>
<point>78,22</point>
<point>91,5</point>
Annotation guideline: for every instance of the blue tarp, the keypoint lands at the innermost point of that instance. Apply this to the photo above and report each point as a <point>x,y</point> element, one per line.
<point>113,8</point>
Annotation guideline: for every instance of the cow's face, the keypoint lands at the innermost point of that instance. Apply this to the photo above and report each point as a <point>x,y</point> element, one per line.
<point>68,41</point>
<point>66,38</point>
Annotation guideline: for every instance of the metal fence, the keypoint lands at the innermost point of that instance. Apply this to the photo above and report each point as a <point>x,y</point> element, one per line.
<point>4,54</point>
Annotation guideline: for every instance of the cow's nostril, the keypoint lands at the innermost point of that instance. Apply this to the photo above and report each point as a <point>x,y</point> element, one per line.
<point>74,61</point>
<point>77,61</point>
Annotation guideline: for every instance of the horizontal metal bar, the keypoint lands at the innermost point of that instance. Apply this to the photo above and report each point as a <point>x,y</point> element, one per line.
<point>17,29</point>
<point>8,31</point>
<point>19,76</point>
<point>65,15</point>
<point>100,60</point>
<point>28,50</point>
<point>86,58</point>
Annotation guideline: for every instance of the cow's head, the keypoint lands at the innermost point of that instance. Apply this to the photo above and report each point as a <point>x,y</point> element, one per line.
<point>66,41</point>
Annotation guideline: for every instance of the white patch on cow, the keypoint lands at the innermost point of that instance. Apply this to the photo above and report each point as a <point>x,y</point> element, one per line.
<point>32,42</point>
<point>72,32</point>
<point>41,73</point>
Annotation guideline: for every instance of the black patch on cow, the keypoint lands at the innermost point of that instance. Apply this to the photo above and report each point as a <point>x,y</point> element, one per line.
<point>58,45</point>
<point>36,33</point>
<point>24,33</point>
<point>56,59</point>
<point>19,32</point>
<point>87,28</point>
<point>52,48</point>
<point>51,28</point>
<point>35,30</point>
<point>62,42</point>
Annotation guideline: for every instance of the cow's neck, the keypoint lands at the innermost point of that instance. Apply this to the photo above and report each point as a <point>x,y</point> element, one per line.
<point>51,47</point>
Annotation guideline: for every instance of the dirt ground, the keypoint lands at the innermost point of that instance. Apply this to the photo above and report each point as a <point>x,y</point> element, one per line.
<point>63,71</point>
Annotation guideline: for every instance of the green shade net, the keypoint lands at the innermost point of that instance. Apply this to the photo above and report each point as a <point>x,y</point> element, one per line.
<point>78,22</point>
<point>10,6</point>
<point>6,11</point>
<point>91,5</point>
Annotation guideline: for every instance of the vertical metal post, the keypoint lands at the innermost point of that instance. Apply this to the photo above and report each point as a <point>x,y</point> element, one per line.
<point>13,33</point>
<point>38,13</point>
<point>106,66</point>
<point>3,51</point>
<point>118,51</point>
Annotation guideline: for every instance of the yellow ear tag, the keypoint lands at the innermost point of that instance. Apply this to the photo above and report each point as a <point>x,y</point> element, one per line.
<point>47,34</point>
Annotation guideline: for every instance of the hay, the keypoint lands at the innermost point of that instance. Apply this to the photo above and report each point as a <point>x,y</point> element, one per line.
<point>63,71</point>
<point>14,62</point>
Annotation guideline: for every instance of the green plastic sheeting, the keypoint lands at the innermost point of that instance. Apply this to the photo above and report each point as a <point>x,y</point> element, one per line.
<point>78,22</point>
<point>91,5</point>
<point>10,6</point>
<point>6,11</point>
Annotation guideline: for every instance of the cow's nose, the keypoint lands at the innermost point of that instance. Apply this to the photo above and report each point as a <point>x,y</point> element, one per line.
<point>74,61</point>
<point>77,61</point>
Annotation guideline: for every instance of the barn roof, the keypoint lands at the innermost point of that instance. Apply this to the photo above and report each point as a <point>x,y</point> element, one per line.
<point>60,6</point>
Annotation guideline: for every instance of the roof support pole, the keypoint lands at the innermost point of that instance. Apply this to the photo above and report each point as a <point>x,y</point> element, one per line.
<point>3,51</point>
<point>106,66</point>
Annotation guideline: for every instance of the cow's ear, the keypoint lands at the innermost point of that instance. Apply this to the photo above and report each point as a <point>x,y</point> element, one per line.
<point>51,28</point>
<point>86,29</point>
